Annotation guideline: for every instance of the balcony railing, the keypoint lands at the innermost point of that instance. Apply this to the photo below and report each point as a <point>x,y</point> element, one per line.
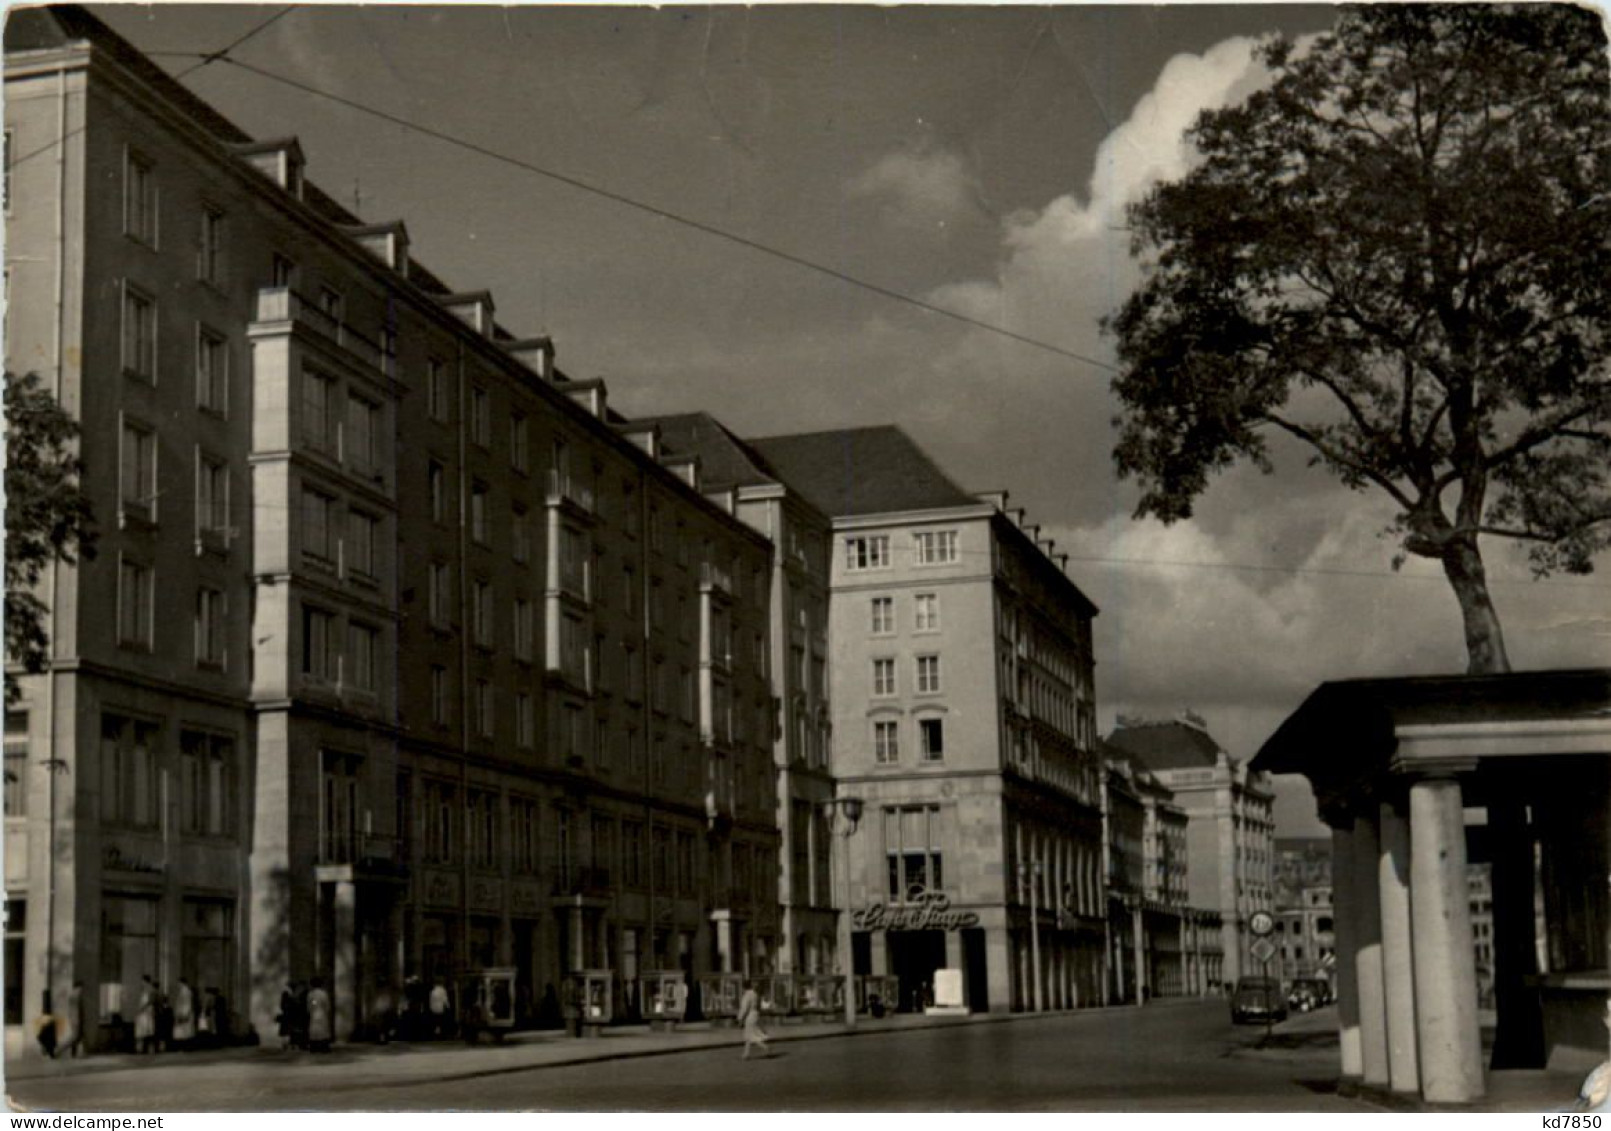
<point>713,576</point>
<point>282,304</point>
<point>563,489</point>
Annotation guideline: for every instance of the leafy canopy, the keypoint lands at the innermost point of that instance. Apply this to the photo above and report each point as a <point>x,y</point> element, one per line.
<point>48,517</point>
<point>1398,253</point>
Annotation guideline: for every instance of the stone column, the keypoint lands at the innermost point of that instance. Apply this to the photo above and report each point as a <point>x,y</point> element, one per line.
<point>1445,968</point>
<point>1398,973</point>
<point>1368,951</point>
<point>1342,914</point>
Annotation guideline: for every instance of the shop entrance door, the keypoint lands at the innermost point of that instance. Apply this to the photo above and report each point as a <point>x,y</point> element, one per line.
<point>976,976</point>
<point>914,956</point>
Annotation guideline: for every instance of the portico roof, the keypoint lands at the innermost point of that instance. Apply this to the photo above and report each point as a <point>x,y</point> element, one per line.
<point>1351,731</point>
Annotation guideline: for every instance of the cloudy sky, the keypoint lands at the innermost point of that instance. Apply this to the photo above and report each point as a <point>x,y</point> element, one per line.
<point>977,159</point>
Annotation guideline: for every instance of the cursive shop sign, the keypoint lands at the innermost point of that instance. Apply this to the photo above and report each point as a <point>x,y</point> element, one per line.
<point>923,911</point>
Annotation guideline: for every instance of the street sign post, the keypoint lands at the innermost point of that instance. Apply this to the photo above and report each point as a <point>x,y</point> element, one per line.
<point>1263,950</point>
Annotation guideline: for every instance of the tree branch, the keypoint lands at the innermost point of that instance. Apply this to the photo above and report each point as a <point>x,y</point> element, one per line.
<point>1341,460</point>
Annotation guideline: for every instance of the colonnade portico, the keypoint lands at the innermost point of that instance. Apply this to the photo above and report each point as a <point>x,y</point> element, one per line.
<point>1404,771</point>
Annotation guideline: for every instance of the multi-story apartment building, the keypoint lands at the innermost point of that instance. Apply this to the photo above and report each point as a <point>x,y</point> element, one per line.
<point>403,653</point>
<point>799,534</point>
<point>963,719</point>
<point>1230,826</point>
<point>1305,932</point>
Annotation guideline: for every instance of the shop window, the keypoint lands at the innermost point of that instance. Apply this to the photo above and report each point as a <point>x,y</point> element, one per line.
<point>207,946</point>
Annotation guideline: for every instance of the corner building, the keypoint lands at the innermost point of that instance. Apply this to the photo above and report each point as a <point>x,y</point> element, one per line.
<point>961,681</point>
<point>402,653</point>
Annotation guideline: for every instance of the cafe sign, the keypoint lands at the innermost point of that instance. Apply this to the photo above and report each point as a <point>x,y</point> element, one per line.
<point>923,910</point>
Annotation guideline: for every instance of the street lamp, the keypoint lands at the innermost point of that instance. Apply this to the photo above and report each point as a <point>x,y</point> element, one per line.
<point>1030,872</point>
<point>848,812</point>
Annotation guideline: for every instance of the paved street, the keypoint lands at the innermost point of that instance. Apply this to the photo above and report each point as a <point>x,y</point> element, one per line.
<point>1169,1057</point>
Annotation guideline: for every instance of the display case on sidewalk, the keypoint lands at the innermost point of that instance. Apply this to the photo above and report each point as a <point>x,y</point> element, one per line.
<point>589,1001</point>
<point>664,994</point>
<point>819,996</point>
<point>776,992</point>
<point>719,995</point>
<point>877,994</point>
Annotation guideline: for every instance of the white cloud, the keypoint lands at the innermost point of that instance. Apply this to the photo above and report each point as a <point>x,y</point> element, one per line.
<point>925,186</point>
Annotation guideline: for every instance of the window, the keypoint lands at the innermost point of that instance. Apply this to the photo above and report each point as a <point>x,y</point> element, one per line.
<point>282,271</point>
<point>436,483</point>
<point>520,533</point>
<point>479,493</point>
<point>129,773</point>
<point>523,844</point>
<point>210,246</point>
<point>481,814</point>
<point>525,629</point>
<point>138,472</point>
<point>519,443</point>
<point>935,547</point>
<point>139,334</point>
<point>572,650</point>
<point>485,717</point>
<point>632,854</point>
<point>16,780</point>
<point>211,624</point>
<point>928,675</point>
<point>212,371</point>
<point>318,526</point>
<point>5,175</point>
<point>480,417</point>
<point>362,536</point>
<point>883,677</point>
<point>319,659</point>
<point>437,803</point>
<point>332,304</point>
<point>361,438</point>
<point>886,743</point>
<point>441,696</point>
<point>573,562</point>
<point>931,735</point>
<point>867,553</point>
<point>927,618</point>
<point>912,849</point>
<point>135,589</point>
<point>208,797</point>
<point>139,198</point>
<point>439,593</point>
<point>318,428</point>
<point>363,653</point>
<point>883,616</point>
<point>525,720</point>
<point>481,613</point>
<point>436,390</point>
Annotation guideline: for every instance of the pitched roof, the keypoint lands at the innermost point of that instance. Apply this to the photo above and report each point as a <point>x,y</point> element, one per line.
<point>1169,745</point>
<point>856,471</point>
<point>724,460</point>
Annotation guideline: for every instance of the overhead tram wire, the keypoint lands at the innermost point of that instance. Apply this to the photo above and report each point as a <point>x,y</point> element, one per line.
<point>203,58</point>
<point>675,218</point>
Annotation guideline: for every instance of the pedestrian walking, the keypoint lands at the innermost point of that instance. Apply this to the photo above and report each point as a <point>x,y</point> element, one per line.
<point>749,1016</point>
<point>320,1028</point>
<point>184,1015</point>
<point>72,1043</point>
<point>206,1019</point>
<point>287,1014</point>
<point>440,1010</point>
<point>145,1017</point>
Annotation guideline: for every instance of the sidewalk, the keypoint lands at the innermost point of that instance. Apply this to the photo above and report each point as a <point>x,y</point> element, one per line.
<point>369,1066</point>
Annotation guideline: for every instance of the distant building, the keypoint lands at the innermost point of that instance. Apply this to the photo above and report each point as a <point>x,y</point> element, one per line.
<point>964,718</point>
<point>1304,926</point>
<point>1230,827</point>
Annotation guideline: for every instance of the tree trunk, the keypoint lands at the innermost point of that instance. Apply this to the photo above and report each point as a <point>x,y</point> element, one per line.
<point>1485,640</point>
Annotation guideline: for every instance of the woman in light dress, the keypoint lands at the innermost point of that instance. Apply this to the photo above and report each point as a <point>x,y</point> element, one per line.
<point>749,1016</point>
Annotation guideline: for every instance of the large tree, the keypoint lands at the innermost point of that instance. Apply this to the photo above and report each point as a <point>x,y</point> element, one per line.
<point>48,517</point>
<point>1398,253</point>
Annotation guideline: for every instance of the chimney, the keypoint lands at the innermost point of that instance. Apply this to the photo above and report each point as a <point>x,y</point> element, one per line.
<point>536,354</point>
<point>280,160</point>
<point>473,308</point>
<point>997,499</point>
<point>387,242</point>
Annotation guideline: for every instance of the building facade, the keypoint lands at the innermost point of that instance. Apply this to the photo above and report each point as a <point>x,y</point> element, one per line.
<point>963,720</point>
<point>1230,824</point>
<point>403,653</point>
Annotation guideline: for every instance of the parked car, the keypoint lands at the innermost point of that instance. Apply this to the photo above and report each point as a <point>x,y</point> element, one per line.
<point>1308,993</point>
<point>1257,999</point>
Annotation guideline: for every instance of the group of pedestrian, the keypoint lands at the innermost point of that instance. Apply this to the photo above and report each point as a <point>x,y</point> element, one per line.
<point>181,1021</point>
<point>306,1019</point>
